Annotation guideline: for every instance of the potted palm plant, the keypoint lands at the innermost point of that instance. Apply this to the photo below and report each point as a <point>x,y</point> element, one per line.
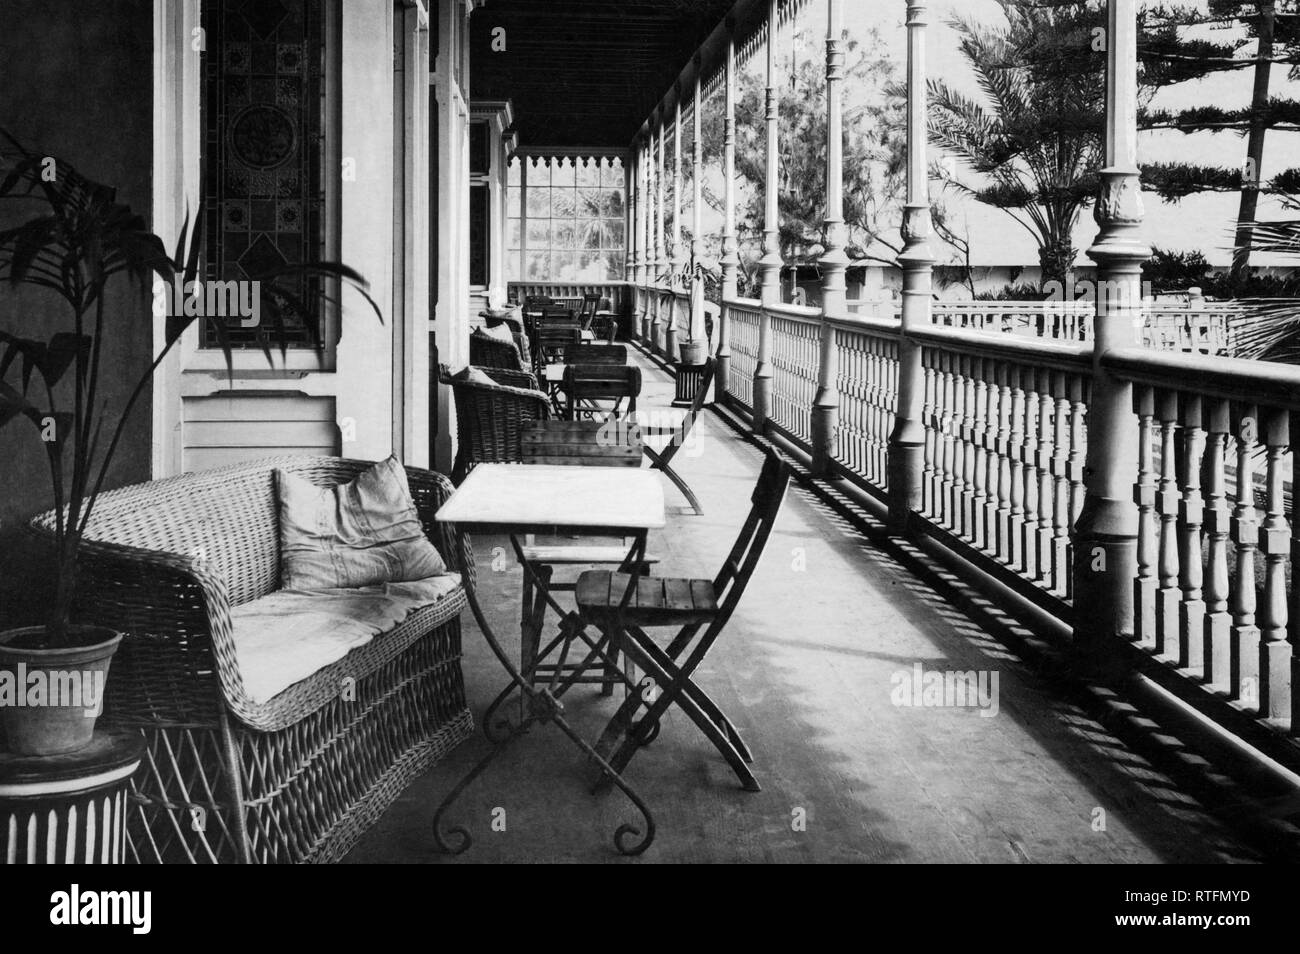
<point>695,349</point>
<point>79,242</point>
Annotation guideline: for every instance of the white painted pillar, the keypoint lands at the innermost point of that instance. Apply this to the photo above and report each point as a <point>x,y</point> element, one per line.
<point>770,263</point>
<point>730,246</point>
<point>1105,535</point>
<point>677,249</point>
<point>697,213</point>
<point>907,441</point>
<point>834,262</point>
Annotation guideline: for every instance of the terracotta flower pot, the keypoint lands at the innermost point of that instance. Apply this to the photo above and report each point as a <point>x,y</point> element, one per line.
<point>692,353</point>
<point>50,699</point>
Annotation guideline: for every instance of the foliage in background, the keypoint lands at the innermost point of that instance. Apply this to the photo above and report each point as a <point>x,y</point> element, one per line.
<point>1035,138</point>
<point>1254,35</point>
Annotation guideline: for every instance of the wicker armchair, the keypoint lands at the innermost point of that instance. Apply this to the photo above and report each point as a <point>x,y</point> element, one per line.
<point>515,323</point>
<point>300,777</point>
<point>490,418</point>
<point>488,352</point>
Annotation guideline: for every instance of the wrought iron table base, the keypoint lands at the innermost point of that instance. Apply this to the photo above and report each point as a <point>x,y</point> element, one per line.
<point>542,706</point>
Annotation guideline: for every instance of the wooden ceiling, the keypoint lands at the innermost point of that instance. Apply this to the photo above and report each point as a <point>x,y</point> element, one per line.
<point>585,72</point>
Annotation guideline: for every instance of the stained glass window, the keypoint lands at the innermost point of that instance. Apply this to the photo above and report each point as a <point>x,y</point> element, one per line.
<point>263,149</point>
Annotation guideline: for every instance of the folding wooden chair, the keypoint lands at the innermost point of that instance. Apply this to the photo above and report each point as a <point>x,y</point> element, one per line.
<point>623,605</point>
<point>587,313</point>
<point>592,390</point>
<point>552,336</point>
<point>662,458</point>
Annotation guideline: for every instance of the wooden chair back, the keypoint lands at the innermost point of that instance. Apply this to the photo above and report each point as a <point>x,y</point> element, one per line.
<point>595,354</point>
<point>612,443</point>
<point>587,386</point>
<point>688,420</point>
<point>739,566</point>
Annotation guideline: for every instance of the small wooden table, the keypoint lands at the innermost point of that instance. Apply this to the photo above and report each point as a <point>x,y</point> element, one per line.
<point>551,499</point>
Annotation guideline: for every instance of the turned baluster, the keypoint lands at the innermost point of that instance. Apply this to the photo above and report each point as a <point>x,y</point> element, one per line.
<point>1191,514</point>
<point>1046,483</point>
<point>1030,378</point>
<point>930,417</point>
<point>967,520</point>
<point>1168,595</point>
<point>1016,469</point>
<point>1078,458</point>
<point>979,437</point>
<point>949,442</point>
<point>1217,620</point>
<point>1061,470</point>
<point>1003,516</point>
<point>1243,659</point>
<point>1274,540</point>
<point>1144,495</point>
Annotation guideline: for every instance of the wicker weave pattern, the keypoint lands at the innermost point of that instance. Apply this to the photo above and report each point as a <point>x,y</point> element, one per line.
<point>488,352</point>
<point>490,419</point>
<point>299,777</point>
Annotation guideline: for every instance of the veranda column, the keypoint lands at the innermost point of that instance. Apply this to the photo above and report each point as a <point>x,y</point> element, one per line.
<point>631,211</point>
<point>661,251</point>
<point>834,263</point>
<point>770,264</point>
<point>697,212</point>
<point>677,249</point>
<point>730,247</point>
<point>907,442</point>
<point>1105,535</point>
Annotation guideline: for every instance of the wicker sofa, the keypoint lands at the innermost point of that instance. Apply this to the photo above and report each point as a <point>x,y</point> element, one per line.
<point>299,777</point>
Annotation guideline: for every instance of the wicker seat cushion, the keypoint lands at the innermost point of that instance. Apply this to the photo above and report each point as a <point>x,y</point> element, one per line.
<point>360,533</point>
<point>284,638</point>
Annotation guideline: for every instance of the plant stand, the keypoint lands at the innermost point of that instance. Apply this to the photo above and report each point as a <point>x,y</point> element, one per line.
<point>689,379</point>
<point>65,809</point>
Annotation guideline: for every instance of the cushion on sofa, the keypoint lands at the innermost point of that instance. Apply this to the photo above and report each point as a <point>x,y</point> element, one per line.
<point>364,532</point>
<point>287,636</point>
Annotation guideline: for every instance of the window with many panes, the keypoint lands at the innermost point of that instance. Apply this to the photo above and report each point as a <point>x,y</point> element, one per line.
<point>566,220</point>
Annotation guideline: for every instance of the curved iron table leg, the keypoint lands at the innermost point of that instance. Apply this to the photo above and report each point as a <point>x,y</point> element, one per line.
<point>543,707</point>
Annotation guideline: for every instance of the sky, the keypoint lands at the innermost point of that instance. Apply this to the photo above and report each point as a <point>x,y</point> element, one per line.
<point>1197,222</point>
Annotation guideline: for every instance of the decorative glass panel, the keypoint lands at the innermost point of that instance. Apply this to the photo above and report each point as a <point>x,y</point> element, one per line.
<point>263,151</point>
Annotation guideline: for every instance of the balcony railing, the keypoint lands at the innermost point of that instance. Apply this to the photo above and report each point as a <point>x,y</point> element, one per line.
<point>1198,327</point>
<point>1006,436</point>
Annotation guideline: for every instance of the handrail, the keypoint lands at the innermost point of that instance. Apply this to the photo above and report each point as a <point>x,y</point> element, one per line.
<point>881,326</point>
<point>1055,354</point>
<point>797,312</point>
<point>1230,378</point>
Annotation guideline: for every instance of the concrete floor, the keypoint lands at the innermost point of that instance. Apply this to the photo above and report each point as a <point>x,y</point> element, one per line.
<point>808,670</point>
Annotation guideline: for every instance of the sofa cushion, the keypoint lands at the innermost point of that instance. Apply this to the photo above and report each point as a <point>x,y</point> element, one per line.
<point>284,638</point>
<point>364,532</point>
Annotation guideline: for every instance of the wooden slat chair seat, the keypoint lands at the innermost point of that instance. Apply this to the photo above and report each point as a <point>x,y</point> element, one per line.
<point>701,608</point>
<point>661,458</point>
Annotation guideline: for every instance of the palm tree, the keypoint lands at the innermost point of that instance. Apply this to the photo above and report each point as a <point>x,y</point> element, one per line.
<point>1036,140</point>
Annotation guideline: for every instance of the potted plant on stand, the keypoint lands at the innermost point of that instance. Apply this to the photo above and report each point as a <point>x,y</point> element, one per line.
<point>78,243</point>
<point>694,351</point>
